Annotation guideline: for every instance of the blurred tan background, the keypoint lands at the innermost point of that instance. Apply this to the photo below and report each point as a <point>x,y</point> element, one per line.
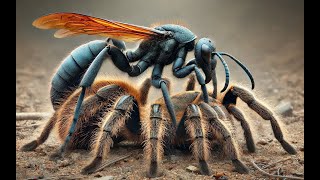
<point>265,35</point>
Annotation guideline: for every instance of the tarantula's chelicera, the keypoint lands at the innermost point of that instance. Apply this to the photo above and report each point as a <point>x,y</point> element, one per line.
<point>115,110</point>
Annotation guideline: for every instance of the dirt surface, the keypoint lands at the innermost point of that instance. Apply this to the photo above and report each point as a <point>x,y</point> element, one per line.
<point>276,61</point>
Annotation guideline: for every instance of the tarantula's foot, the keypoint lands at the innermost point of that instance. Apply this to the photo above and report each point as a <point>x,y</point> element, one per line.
<point>153,171</point>
<point>204,169</point>
<point>288,147</point>
<point>56,156</point>
<point>92,167</point>
<point>240,167</point>
<point>30,146</point>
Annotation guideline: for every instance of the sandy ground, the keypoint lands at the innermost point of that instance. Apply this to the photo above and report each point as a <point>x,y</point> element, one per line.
<point>276,81</point>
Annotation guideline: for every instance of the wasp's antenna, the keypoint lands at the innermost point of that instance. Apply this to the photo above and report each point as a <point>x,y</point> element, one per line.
<point>242,66</point>
<point>226,69</point>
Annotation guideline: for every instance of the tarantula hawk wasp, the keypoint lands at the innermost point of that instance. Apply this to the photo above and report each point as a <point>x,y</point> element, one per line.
<point>160,46</point>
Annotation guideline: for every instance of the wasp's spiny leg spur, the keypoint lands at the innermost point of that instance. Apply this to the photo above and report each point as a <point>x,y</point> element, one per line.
<point>262,110</point>
<point>223,135</point>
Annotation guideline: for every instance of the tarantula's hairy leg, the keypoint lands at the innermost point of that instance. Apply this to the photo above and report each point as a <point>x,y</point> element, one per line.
<point>144,90</point>
<point>219,111</point>
<point>43,137</point>
<point>154,132</point>
<point>236,112</point>
<point>191,83</point>
<point>196,129</point>
<point>263,111</point>
<point>222,133</point>
<point>111,127</point>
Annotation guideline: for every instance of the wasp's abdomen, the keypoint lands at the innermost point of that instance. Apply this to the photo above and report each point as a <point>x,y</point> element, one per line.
<point>71,70</point>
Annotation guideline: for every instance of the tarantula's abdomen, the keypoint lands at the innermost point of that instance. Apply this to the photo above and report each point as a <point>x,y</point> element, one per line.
<point>98,102</point>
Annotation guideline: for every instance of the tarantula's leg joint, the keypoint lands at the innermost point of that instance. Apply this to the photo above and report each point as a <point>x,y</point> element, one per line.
<point>220,130</point>
<point>265,113</point>
<point>196,129</point>
<point>154,134</point>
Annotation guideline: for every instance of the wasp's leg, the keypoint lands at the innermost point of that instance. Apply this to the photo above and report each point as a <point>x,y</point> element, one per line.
<point>203,85</point>
<point>236,112</point>
<point>183,72</point>
<point>143,49</point>
<point>159,82</point>
<point>118,43</point>
<point>110,128</point>
<point>180,72</point>
<point>154,132</point>
<point>122,63</point>
<point>223,134</point>
<point>197,130</point>
<point>44,135</point>
<point>263,111</point>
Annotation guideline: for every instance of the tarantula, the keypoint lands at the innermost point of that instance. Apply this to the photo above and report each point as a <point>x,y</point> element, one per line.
<point>115,110</point>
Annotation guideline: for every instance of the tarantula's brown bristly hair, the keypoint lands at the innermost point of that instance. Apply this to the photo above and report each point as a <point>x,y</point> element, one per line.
<point>265,113</point>
<point>43,136</point>
<point>197,129</point>
<point>223,135</point>
<point>144,91</point>
<point>154,131</point>
<point>191,83</point>
<point>110,127</point>
<point>66,111</point>
<point>237,113</point>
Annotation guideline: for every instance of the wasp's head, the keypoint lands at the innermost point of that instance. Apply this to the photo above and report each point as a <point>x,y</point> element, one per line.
<point>203,50</point>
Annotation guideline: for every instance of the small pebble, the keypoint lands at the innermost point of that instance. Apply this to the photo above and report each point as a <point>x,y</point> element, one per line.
<point>174,158</point>
<point>98,175</point>
<point>105,178</point>
<point>222,178</point>
<point>285,108</point>
<point>64,163</point>
<point>193,169</point>
<point>262,142</point>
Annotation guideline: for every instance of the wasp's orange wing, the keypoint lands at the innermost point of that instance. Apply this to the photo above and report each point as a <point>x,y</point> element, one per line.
<point>70,24</point>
